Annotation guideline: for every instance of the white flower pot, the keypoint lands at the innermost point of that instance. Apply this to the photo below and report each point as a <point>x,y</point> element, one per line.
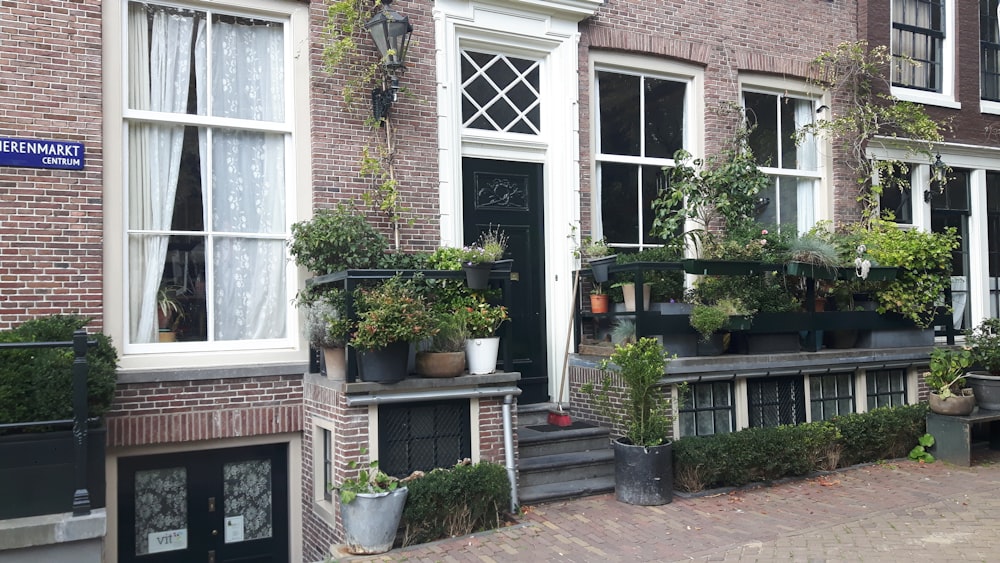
<point>481,355</point>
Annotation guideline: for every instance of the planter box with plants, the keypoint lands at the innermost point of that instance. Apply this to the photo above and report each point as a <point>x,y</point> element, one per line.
<point>37,462</point>
<point>984,379</point>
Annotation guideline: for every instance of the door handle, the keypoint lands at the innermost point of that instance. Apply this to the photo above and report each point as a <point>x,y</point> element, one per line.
<point>215,532</point>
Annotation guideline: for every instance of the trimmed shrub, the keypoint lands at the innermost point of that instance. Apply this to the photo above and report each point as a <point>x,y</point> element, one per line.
<point>455,502</point>
<point>37,384</point>
<point>883,433</point>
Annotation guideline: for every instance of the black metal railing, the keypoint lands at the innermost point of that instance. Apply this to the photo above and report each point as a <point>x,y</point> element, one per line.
<point>80,420</point>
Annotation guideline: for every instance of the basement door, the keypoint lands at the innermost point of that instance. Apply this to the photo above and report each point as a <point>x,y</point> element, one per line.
<point>508,195</point>
<point>215,506</point>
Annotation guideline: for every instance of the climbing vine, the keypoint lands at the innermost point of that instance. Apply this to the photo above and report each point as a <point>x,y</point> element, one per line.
<point>856,76</point>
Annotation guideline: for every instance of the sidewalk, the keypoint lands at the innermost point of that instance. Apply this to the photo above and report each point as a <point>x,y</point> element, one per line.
<point>894,511</point>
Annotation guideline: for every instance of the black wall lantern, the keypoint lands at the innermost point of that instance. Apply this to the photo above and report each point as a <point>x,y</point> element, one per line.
<point>391,33</point>
<point>939,175</point>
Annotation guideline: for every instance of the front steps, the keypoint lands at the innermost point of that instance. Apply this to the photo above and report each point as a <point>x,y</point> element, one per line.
<point>561,462</point>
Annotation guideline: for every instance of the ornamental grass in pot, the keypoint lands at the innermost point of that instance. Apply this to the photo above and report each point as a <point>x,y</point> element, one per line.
<point>634,395</point>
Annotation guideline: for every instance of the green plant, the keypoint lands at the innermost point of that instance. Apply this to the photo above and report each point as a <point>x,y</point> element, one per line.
<point>882,433</point>
<point>169,308</point>
<point>481,318</point>
<point>326,326</point>
<point>447,258</point>
<point>591,248</point>
<point>919,452</point>
<point>852,73</point>
<point>392,311</point>
<point>623,332</point>
<point>647,410</point>
<point>453,502</point>
<point>708,319</point>
<point>811,249</point>
<point>724,187</point>
<point>451,334</point>
<point>947,368</point>
<point>924,261</point>
<point>666,285</point>
<point>984,344</point>
<point>36,384</point>
<point>490,247</point>
<point>598,289</point>
<point>369,480</point>
<point>336,239</point>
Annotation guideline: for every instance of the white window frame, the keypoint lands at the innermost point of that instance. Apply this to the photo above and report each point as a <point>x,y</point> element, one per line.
<point>290,349</point>
<point>946,97</point>
<point>784,87</point>
<point>988,106</point>
<point>326,509</point>
<point>694,110</point>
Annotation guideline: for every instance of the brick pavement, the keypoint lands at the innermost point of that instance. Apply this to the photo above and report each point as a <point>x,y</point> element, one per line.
<point>893,511</point>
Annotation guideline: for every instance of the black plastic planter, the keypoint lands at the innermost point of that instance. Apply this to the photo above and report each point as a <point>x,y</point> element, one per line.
<point>644,476</point>
<point>385,365</point>
<point>599,267</point>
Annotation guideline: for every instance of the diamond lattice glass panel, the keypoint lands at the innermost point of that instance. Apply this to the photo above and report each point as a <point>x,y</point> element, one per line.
<point>500,93</point>
<point>160,510</point>
<point>247,500</point>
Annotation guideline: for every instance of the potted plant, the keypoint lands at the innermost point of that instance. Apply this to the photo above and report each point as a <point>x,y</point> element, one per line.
<point>478,259</point>
<point>643,456</point>
<point>597,254</point>
<point>390,316</point>
<point>328,328</point>
<point>598,299</point>
<point>169,311</point>
<point>946,381</point>
<point>811,256</point>
<point>371,506</point>
<point>983,342</point>
<point>628,294</point>
<point>443,355</point>
<point>482,347</point>
<point>336,239</point>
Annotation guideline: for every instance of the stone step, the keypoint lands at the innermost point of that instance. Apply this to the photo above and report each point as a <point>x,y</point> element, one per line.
<point>556,468</point>
<point>543,440</point>
<point>565,490</point>
<point>535,414</point>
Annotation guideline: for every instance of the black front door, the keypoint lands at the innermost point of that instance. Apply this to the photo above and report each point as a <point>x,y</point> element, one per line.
<point>508,195</point>
<point>215,506</point>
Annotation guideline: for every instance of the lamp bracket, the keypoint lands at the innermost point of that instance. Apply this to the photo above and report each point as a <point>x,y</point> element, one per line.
<point>381,102</point>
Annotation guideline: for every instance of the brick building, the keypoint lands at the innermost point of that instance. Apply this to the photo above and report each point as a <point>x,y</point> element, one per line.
<point>210,127</point>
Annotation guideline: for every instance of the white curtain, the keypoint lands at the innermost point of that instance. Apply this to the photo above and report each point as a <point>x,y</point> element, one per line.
<point>159,71</point>
<point>247,180</point>
<point>806,160</point>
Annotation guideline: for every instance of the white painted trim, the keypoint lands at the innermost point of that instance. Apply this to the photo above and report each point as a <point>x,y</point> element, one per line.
<point>945,98</point>
<point>544,30</point>
<point>475,439</point>
<point>990,107</point>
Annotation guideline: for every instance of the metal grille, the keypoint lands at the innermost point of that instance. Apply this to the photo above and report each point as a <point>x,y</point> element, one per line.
<point>423,436</point>
<point>886,388</point>
<point>774,401</point>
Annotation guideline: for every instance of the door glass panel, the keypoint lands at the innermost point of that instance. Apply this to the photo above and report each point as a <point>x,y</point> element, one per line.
<point>161,518</point>
<point>247,500</point>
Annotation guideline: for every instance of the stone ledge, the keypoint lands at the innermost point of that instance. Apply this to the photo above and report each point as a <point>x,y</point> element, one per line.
<point>19,533</point>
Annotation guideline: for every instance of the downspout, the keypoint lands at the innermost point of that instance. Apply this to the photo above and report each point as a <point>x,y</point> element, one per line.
<point>508,451</point>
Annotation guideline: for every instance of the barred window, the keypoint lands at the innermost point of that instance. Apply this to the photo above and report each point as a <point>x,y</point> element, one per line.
<point>423,436</point>
<point>831,395</point>
<point>886,388</point>
<point>707,408</point>
<point>773,401</point>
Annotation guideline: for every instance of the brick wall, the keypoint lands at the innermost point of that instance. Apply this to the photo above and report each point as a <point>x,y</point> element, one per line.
<point>185,411</point>
<point>351,438</point>
<point>51,220</point>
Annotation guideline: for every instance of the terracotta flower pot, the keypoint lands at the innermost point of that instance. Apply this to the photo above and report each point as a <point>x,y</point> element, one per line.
<point>599,303</point>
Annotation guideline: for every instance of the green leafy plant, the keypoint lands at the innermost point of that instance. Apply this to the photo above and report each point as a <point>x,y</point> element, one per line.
<point>811,249</point>
<point>946,371</point>
<point>336,239</point>
<point>490,247</point>
<point>647,410</point>
<point>924,262</point>
<point>481,318</point>
<point>623,332</point>
<point>458,501</point>
<point>36,384</point>
<point>393,311</point>
<point>666,285</point>
<point>369,480</point>
<point>326,325</point>
<point>919,452</point>
<point>709,319</point>
<point>450,335</point>
<point>168,304</point>
<point>722,189</point>
<point>984,344</point>
<point>591,248</point>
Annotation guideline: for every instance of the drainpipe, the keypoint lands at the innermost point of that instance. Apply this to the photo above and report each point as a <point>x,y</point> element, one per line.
<point>508,451</point>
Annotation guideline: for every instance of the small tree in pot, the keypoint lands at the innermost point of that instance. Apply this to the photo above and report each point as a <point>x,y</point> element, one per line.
<point>643,456</point>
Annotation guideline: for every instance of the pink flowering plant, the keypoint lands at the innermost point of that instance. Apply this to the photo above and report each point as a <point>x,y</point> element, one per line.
<point>481,318</point>
<point>751,242</point>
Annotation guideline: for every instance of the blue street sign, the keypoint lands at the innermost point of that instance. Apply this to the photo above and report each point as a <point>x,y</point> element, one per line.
<point>35,153</point>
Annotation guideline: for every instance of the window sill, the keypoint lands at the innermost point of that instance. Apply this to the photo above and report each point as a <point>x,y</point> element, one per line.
<point>228,372</point>
<point>926,98</point>
<point>986,106</point>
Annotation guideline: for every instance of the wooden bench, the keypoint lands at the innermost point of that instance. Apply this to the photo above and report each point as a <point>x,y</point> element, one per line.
<point>953,435</point>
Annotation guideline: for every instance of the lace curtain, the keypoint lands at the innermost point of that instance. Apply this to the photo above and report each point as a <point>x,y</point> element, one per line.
<point>159,70</point>
<point>247,178</point>
<point>805,160</point>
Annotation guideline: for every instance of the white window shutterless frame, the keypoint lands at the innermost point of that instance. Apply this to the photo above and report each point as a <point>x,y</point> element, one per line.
<point>924,31</point>
<point>208,175</point>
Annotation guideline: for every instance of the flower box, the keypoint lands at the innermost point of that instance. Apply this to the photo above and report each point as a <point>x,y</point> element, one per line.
<point>700,267</point>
